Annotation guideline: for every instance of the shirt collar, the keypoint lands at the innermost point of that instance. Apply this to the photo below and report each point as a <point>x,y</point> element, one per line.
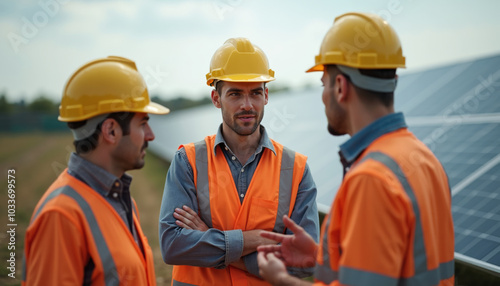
<point>96,177</point>
<point>265,141</point>
<point>352,148</point>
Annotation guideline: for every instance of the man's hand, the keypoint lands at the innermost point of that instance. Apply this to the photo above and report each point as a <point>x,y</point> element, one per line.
<point>297,250</point>
<point>252,239</point>
<point>187,218</point>
<point>274,271</point>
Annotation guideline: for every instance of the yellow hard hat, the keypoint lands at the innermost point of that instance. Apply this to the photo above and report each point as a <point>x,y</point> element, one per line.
<point>360,40</point>
<point>238,60</point>
<point>106,85</point>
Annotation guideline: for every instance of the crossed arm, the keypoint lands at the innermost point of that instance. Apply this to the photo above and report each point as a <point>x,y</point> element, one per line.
<point>192,242</point>
<point>297,250</point>
<point>189,219</point>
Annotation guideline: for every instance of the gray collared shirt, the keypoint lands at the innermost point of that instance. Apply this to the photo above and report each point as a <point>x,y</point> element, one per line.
<point>116,191</point>
<point>216,248</point>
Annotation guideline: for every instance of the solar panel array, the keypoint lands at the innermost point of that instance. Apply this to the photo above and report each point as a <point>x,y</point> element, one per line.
<point>455,110</point>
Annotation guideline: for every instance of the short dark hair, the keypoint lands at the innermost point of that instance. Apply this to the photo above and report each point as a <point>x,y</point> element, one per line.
<point>218,86</point>
<point>90,143</point>
<point>368,96</point>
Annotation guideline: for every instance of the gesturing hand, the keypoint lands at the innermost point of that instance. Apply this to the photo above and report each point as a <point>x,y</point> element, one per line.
<point>274,271</point>
<point>270,267</point>
<point>189,219</point>
<point>297,250</point>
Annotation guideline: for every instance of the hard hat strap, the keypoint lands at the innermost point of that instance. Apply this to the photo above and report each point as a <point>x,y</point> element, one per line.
<point>368,82</point>
<point>89,127</point>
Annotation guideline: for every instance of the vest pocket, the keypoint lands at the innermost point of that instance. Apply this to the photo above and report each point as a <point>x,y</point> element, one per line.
<point>262,214</point>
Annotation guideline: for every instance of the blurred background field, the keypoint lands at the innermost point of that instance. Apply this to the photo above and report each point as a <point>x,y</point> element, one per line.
<point>38,158</point>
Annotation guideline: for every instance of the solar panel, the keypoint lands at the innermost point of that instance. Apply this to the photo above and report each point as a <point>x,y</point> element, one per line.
<point>454,110</point>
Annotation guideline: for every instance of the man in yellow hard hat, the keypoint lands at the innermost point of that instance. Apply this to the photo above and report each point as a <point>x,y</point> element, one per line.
<point>390,222</point>
<point>85,229</point>
<point>221,192</point>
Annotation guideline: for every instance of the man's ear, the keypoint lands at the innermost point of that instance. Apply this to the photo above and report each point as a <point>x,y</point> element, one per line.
<point>342,88</point>
<point>266,94</point>
<point>110,131</point>
<point>215,98</point>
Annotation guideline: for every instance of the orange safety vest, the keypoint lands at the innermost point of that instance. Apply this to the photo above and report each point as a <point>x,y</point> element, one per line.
<point>117,258</point>
<point>270,195</point>
<point>391,222</point>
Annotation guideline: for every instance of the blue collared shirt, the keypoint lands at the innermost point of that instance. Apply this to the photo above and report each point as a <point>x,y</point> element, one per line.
<point>352,148</point>
<point>116,191</point>
<point>216,248</point>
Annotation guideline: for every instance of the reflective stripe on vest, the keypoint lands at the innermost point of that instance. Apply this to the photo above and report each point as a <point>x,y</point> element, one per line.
<point>110,273</point>
<point>202,182</point>
<point>286,181</point>
<point>285,185</point>
<point>422,276</point>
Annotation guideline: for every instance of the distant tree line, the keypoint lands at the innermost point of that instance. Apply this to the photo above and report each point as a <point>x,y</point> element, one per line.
<point>40,114</point>
<point>43,104</point>
<point>40,104</point>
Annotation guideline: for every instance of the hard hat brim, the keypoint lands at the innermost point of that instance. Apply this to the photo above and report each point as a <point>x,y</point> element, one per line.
<point>155,108</point>
<point>152,108</point>
<point>243,78</point>
<point>316,68</point>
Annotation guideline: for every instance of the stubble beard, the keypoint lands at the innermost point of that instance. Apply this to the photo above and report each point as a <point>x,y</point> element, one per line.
<point>242,130</point>
<point>338,126</point>
<point>122,155</point>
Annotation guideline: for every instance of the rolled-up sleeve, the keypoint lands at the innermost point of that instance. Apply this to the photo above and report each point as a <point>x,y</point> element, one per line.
<point>179,246</point>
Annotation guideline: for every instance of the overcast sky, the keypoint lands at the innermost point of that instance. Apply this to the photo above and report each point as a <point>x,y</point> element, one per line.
<point>172,41</point>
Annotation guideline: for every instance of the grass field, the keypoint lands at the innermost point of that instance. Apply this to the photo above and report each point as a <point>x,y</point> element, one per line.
<point>37,160</point>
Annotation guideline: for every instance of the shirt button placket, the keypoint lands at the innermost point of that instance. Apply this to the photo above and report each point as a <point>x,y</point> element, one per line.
<point>115,193</point>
